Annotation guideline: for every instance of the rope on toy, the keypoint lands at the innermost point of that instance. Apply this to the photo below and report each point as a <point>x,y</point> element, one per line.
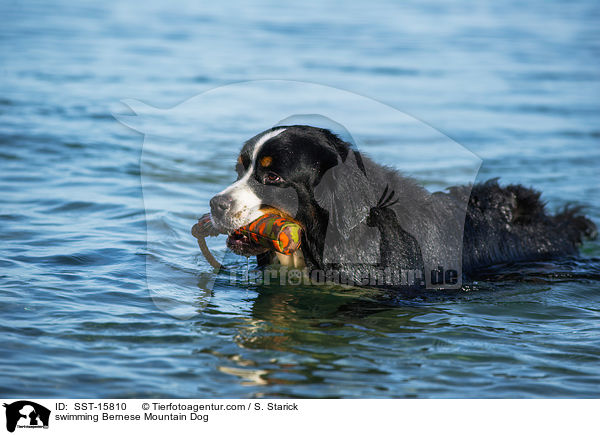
<point>271,231</point>
<point>200,231</point>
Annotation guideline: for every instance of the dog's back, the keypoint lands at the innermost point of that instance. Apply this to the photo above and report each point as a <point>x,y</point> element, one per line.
<point>483,224</point>
<point>506,224</point>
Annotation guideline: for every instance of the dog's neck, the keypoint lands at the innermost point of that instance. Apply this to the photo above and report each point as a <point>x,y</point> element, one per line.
<point>313,237</point>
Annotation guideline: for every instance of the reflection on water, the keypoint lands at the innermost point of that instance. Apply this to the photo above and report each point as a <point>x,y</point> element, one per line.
<point>289,339</point>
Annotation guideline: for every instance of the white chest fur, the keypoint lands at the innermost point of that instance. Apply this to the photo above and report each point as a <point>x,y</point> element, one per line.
<point>296,260</point>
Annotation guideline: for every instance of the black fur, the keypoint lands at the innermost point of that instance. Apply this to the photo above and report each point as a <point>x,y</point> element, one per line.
<point>360,217</point>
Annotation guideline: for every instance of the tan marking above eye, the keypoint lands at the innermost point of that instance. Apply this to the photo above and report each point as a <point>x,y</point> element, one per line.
<point>266,161</point>
<point>239,160</point>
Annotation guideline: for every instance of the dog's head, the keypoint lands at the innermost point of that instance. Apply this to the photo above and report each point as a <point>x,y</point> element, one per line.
<point>298,171</point>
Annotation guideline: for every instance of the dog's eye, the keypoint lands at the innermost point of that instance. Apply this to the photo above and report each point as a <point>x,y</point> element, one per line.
<point>272,178</point>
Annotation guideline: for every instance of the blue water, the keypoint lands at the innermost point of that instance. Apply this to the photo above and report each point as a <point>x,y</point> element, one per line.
<point>90,309</point>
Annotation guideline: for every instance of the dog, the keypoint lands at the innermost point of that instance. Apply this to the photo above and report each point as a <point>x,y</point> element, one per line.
<point>360,218</point>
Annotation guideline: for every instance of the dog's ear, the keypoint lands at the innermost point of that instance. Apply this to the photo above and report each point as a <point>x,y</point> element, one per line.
<point>344,192</point>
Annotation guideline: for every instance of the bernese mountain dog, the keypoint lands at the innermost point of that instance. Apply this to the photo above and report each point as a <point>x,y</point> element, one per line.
<point>362,220</point>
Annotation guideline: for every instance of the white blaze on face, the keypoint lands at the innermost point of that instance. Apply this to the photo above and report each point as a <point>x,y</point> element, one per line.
<point>245,205</point>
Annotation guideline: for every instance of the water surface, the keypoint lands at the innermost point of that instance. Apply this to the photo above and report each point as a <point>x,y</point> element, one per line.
<point>518,84</point>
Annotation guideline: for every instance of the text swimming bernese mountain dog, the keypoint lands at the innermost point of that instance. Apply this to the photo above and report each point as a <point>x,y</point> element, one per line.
<point>361,219</point>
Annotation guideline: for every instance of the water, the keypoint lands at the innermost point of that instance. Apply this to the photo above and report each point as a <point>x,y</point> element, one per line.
<point>516,83</point>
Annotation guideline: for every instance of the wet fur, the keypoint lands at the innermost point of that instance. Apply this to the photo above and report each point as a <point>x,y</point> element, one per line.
<point>337,188</point>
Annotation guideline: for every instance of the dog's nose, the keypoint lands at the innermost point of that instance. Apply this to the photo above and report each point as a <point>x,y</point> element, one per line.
<point>220,204</point>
